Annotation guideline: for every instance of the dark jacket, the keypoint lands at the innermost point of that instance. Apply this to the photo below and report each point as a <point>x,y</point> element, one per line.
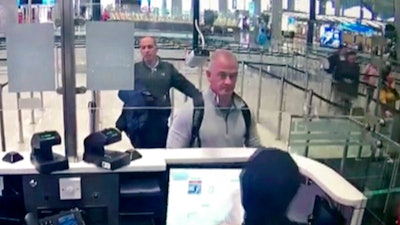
<point>347,78</point>
<point>134,113</point>
<point>333,60</point>
<point>160,80</point>
<point>147,127</point>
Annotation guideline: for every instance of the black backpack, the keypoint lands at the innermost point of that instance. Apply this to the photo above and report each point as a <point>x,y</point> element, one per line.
<point>198,114</point>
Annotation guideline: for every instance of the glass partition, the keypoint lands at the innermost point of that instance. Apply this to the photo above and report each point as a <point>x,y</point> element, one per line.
<point>356,148</point>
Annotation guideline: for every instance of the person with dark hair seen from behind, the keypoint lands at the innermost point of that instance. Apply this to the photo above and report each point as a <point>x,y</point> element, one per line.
<point>346,81</point>
<point>336,58</point>
<point>266,196</point>
<point>388,95</point>
<point>147,125</point>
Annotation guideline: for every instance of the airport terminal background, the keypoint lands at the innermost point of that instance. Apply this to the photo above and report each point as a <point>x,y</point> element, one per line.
<point>283,82</point>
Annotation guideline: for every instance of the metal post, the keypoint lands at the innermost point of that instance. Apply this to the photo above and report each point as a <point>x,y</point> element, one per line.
<point>68,78</point>
<point>338,6</point>
<point>41,100</point>
<point>30,21</point>
<point>2,129</point>
<point>259,90</point>
<point>32,111</point>
<point>344,156</point>
<point>57,68</point>
<point>242,80</point>
<point>201,78</point>
<point>308,106</point>
<point>397,25</point>
<point>20,125</point>
<point>93,113</point>
<point>392,184</point>
<point>29,11</point>
<point>379,87</point>
<point>311,22</point>
<point>306,70</point>
<point>281,93</point>
<point>286,76</point>
<point>98,109</point>
<point>196,17</point>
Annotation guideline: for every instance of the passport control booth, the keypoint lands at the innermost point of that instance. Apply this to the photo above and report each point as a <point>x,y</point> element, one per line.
<point>161,187</point>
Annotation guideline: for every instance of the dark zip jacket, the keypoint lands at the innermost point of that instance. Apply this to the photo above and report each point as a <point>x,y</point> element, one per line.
<point>159,80</point>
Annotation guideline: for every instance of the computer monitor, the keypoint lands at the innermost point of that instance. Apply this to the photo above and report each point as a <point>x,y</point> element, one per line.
<point>202,195</point>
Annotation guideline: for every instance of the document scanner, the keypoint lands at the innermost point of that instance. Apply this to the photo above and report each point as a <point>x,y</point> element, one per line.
<point>95,153</point>
<point>42,156</point>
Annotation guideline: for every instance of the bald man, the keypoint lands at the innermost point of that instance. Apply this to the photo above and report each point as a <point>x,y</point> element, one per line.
<point>223,122</point>
<point>153,78</point>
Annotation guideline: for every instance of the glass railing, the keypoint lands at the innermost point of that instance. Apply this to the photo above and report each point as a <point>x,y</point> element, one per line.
<point>356,148</point>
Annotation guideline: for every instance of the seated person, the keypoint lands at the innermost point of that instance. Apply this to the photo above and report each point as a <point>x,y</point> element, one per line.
<point>224,120</point>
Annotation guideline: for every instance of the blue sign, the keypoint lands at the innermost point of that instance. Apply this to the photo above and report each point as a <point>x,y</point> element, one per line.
<point>194,187</point>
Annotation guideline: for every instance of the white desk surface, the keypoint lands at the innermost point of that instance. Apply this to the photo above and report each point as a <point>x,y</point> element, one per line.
<point>156,160</point>
<point>145,164</point>
<point>326,178</point>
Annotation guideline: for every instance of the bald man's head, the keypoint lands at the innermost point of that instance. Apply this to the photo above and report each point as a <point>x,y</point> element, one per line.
<point>222,55</point>
<point>222,72</point>
<point>148,49</point>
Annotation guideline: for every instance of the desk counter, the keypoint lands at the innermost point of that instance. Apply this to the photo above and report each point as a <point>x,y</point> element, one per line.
<point>146,164</point>
<point>157,160</point>
<point>326,178</point>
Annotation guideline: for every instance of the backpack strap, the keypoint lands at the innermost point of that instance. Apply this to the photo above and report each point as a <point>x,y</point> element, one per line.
<point>247,120</point>
<point>246,116</point>
<point>197,119</point>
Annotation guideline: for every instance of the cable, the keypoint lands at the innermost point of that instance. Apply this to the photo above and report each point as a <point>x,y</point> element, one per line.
<point>203,42</point>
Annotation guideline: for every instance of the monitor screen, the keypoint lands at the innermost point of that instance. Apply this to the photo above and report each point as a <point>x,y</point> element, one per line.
<point>206,195</point>
<point>67,220</point>
<point>330,36</point>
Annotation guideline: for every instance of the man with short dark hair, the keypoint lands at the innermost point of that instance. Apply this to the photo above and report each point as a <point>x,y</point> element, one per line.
<point>153,80</point>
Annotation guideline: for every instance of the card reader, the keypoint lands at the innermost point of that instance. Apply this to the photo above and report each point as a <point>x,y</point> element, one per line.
<point>42,156</point>
<point>71,217</point>
<point>95,153</point>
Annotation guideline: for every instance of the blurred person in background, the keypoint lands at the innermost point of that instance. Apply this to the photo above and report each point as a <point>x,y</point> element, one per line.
<point>370,76</point>
<point>336,58</point>
<point>346,80</point>
<point>388,95</point>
